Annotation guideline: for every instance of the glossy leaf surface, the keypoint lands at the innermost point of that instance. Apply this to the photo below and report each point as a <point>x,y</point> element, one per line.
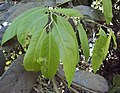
<point>68,47</point>
<point>84,41</point>
<point>50,56</point>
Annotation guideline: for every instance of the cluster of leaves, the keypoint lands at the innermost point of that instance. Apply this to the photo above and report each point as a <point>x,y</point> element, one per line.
<point>52,40</point>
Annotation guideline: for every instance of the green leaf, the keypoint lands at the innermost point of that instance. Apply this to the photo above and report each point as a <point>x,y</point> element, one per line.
<point>27,13</point>
<point>30,23</point>
<point>114,39</point>
<point>68,47</point>
<point>12,29</point>
<point>68,12</point>
<point>99,50</point>
<point>32,59</point>
<point>107,44</point>
<point>107,8</point>
<point>84,41</point>
<point>9,33</point>
<point>49,52</point>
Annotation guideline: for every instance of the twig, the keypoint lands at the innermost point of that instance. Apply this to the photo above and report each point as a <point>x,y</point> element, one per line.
<point>72,89</point>
<point>75,91</point>
<point>79,86</point>
<point>86,89</point>
<point>97,23</point>
<point>55,86</point>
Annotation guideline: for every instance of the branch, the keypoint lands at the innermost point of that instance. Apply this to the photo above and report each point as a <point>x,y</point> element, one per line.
<point>55,86</point>
<point>76,85</point>
<point>84,88</point>
<point>97,23</point>
<point>72,89</point>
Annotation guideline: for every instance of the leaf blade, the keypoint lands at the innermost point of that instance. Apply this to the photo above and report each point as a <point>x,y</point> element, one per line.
<point>68,12</point>
<point>107,44</point>
<point>66,39</point>
<point>50,53</point>
<point>114,39</point>
<point>99,51</point>
<point>11,31</point>
<point>32,57</point>
<point>84,41</point>
<point>107,7</point>
<point>39,17</point>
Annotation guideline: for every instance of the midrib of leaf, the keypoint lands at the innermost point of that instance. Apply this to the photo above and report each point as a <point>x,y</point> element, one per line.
<point>74,37</point>
<point>35,51</point>
<point>63,46</point>
<point>71,35</point>
<point>49,50</point>
<point>62,42</point>
<point>67,58</point>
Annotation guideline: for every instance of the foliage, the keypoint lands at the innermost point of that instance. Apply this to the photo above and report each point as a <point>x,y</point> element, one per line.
<point>84,41</point>
<point>101,49</point>
<point>52,40</point>
<point>107,7</point>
